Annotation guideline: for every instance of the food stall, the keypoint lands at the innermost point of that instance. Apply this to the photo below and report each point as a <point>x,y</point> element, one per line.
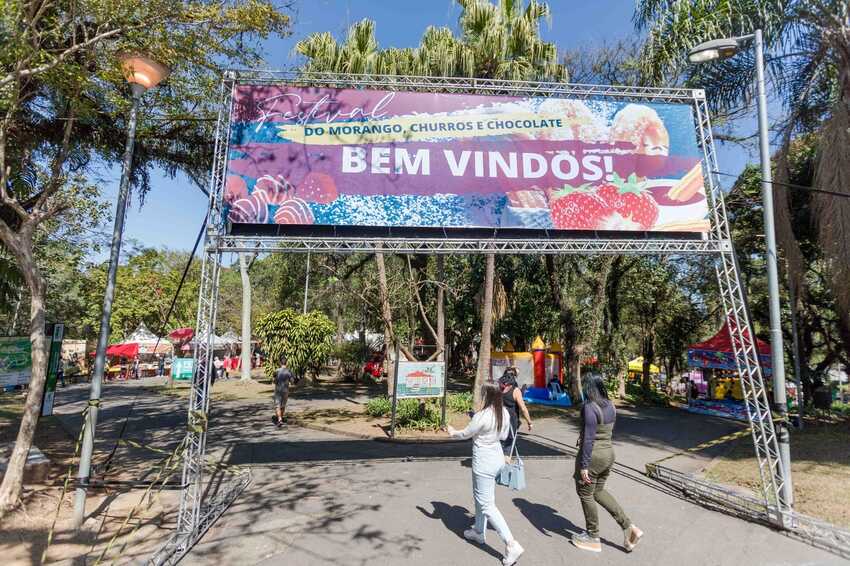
<point>722,394</point>
<point>141,344</point>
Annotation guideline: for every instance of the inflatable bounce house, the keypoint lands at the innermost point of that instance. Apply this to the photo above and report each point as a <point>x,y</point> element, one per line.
<point>540,372</point>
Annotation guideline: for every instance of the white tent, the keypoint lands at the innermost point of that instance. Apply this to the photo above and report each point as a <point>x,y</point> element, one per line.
<point>147,341</point>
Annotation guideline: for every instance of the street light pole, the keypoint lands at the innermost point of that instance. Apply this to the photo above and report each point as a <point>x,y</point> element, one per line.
<point>777,352</point>
<point>721,49</point>
<point>142,74</point>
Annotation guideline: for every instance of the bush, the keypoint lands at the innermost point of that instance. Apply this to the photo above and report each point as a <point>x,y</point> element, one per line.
<point>305,339</point>
<point>407,412</point>
<point>351,360</point>
<point>409,416</point>
<point>460,402</point>
<point>379,406</point>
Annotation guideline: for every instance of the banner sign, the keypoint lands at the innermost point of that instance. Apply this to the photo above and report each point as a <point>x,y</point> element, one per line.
<point>15,361</point>
<point>346,157</point>
<point>723,360</point>
<point>182,369</point>
<point>54,361</point>
<point>420,379</point>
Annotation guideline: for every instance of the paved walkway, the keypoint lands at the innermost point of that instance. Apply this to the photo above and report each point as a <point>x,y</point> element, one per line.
<point>318,498</point>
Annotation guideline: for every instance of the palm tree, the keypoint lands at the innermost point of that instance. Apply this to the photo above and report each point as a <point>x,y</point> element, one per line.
<point>809,68</point>
<point>498,41</point>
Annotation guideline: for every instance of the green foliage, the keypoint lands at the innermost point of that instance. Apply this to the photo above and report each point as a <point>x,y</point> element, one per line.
<point>379,406</point>
<point>459,402</point>
<point>500,41</point>
<point>305,339</point>
<point>351,359</point>
<point>412,414</point>
<point>636,393</point>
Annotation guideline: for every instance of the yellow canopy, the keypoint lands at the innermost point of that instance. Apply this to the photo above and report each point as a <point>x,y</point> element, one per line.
<point>637,365</point>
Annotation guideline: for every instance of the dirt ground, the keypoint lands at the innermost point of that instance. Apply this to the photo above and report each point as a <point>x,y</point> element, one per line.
<point>23,532</point>
<point>820,469</point>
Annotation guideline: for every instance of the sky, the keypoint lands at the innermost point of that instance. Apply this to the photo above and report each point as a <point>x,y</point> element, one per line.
<point>174,209</point>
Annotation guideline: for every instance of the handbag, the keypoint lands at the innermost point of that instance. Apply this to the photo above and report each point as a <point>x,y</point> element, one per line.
<point>513,475</point>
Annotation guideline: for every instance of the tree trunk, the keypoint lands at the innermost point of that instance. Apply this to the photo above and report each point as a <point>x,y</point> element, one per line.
<point>621,382</point>
<point>10,490</point>
<point>569,331</point>
<point>246,317</point>
<point>486,329</point>
<point>387,319</point>
<point>648,355</point>
<point>576,382</point>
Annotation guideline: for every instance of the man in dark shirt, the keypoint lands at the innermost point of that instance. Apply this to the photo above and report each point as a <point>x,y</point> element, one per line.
<point>282,378</point>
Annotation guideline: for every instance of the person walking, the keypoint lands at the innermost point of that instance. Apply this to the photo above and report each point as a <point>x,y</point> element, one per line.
<point>487,428</point>
<point>593,465</point>
<point>219,368</point>
<point>282,378</point>
<point>514,404</point>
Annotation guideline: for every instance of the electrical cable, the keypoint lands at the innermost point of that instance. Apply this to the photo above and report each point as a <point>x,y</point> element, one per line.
<point>107,463</point>
<point>792,186</point>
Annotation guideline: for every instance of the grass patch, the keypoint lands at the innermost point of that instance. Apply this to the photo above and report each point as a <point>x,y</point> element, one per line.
<point>820,469</point>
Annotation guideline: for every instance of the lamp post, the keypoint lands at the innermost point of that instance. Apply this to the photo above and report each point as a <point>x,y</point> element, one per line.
<point>142,73</point>
<point>722,49</point>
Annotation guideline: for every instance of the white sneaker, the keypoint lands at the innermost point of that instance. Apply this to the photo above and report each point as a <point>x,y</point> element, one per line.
<point>512,553</point>
<point>474,536</point>
<point>632,537</point>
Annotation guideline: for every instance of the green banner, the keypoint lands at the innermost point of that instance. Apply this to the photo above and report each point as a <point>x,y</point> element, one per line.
<point>15,361</point>
<point>182,369</point>
<point>55,336</point>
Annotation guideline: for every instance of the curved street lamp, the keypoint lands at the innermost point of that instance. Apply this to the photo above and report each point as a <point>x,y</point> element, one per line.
<point>721,49</point>
<point>714,49</point>
<point>142,73</point>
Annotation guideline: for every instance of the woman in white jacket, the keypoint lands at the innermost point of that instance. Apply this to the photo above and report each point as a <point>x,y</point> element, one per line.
<point>488,427</point>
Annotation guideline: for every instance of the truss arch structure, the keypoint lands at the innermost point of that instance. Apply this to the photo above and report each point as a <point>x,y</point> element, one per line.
<point>197,513</point>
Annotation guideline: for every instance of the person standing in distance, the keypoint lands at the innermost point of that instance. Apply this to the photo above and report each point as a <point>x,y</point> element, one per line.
<point>487,427</point>
<point>282,378</point>
<point>594,461</point>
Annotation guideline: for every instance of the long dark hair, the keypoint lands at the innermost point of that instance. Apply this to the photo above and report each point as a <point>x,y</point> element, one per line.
<point>491,393</point>
<point>594,390</point>
<point>509,377</point>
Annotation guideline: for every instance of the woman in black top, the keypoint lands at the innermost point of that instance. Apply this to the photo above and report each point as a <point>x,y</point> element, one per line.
<point>593,465</point>
<point>513,403</point>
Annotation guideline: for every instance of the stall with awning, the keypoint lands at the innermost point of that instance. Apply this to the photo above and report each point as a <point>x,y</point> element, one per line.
<point>141,344</point>
<point>717,353</point>
<point>716,388</point>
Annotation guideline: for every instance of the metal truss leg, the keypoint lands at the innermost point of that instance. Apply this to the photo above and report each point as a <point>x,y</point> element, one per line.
<point>752,382</point>
<point>192,518</point>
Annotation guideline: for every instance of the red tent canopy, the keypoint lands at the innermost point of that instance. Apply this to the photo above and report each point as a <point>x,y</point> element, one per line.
<point>127,350</point>
<point>722,342</point>
<point>182,334</point>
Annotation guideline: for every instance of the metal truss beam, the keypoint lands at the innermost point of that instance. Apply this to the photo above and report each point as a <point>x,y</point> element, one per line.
<point>468,85</point>
<point>275,244</point>
<point>195,516</point>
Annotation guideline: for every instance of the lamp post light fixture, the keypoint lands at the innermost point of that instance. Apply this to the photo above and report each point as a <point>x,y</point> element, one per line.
<point>722,49</point>
<point>142,73</point>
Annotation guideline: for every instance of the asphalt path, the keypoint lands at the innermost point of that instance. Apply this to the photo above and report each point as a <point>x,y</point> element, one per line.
<point>320,498</point>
